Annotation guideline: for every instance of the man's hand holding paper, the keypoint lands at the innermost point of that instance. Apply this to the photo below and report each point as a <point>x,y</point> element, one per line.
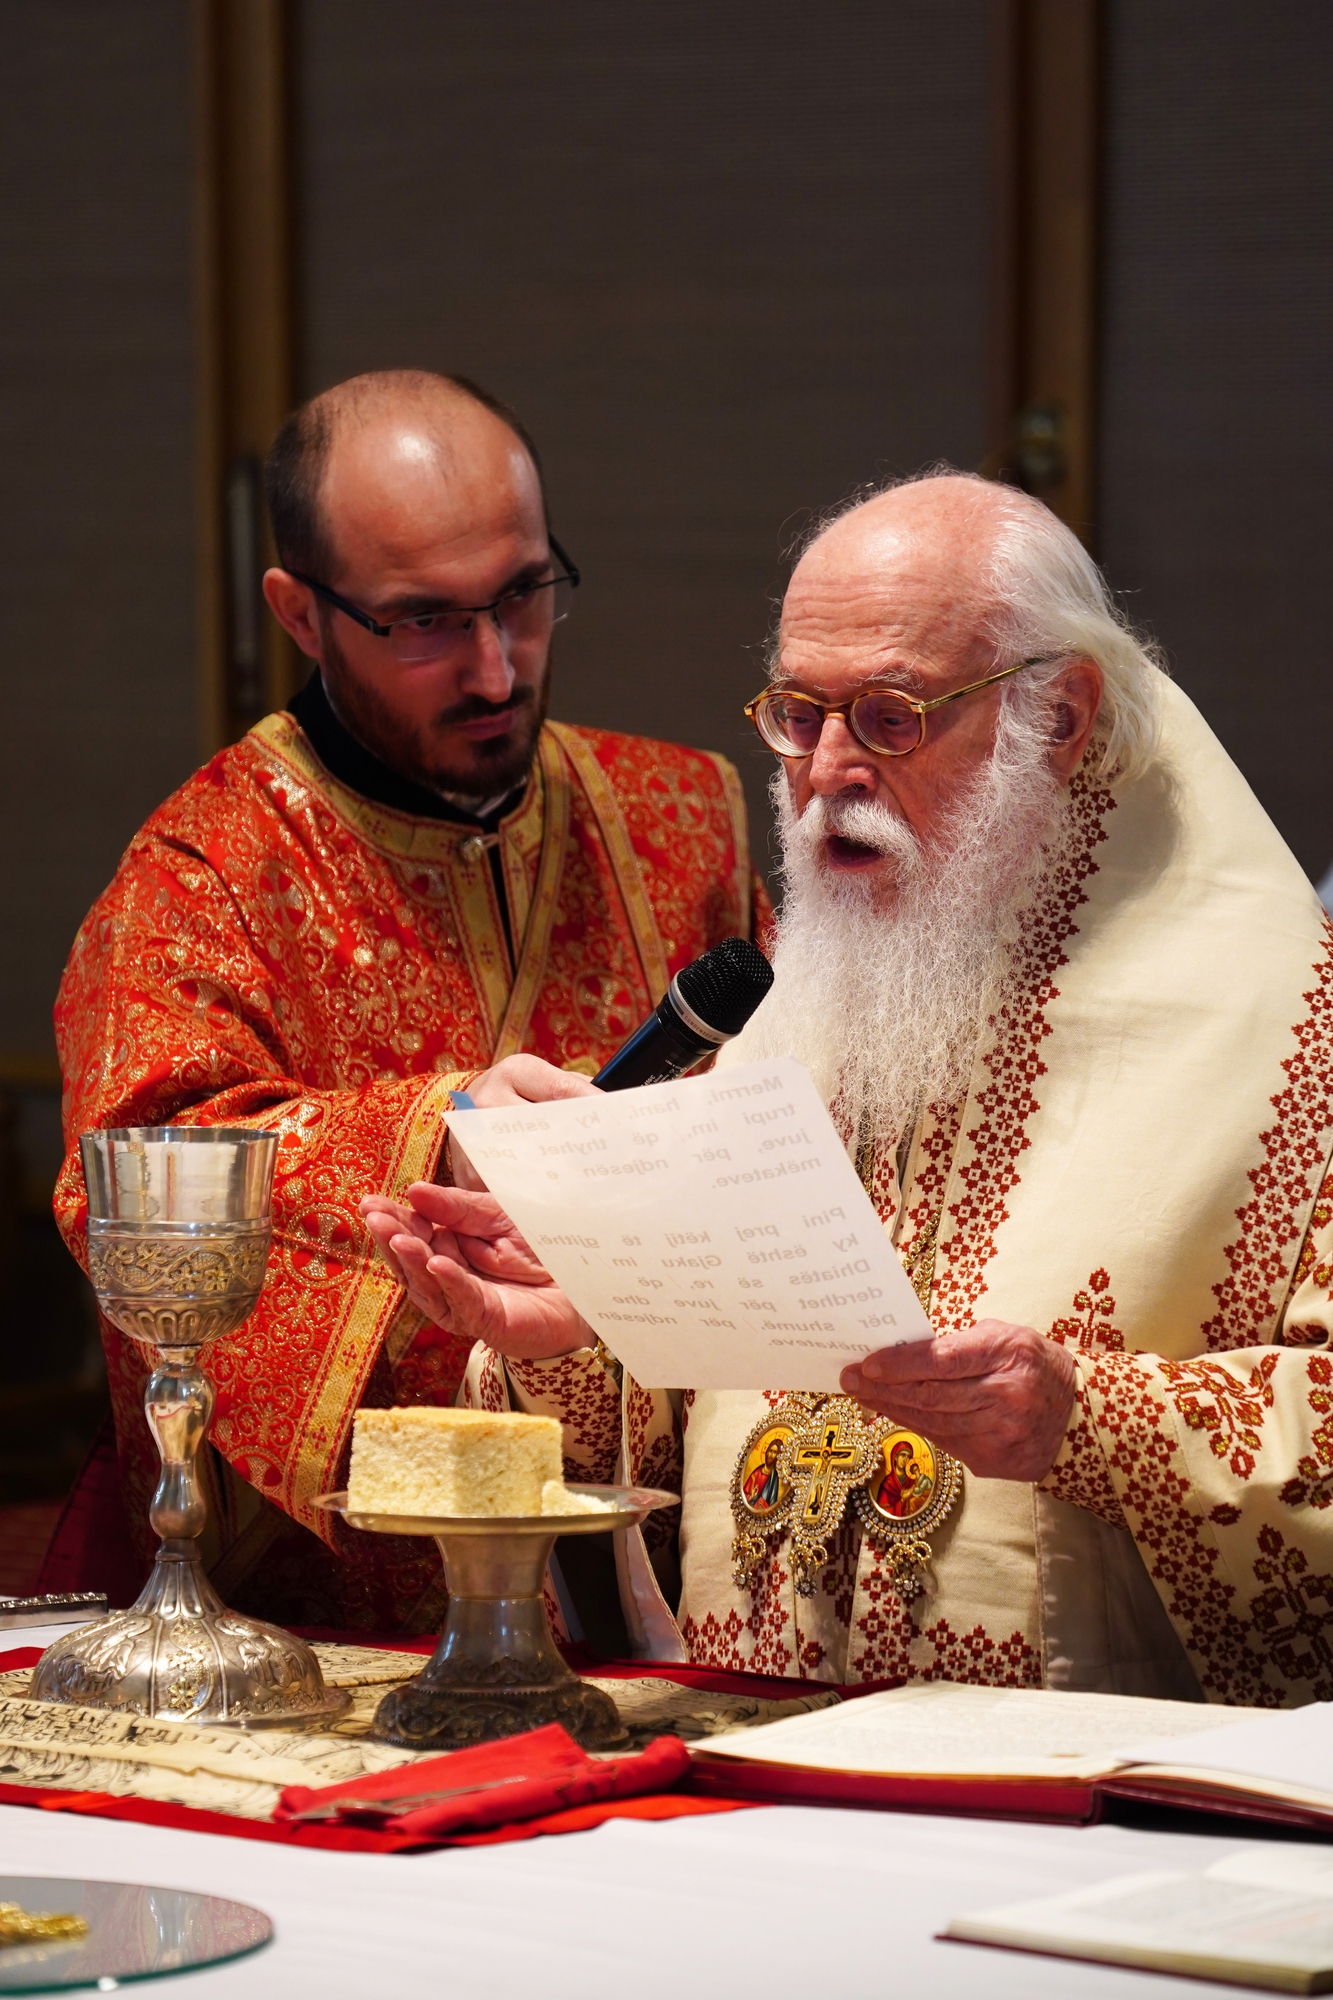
<point>712,1231</point>
<point>997,1396</point>
<point>465,1266</point>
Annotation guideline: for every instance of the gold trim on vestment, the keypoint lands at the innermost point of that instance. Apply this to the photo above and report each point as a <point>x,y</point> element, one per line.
<point>531,969</point>
<point>406,836</point>
<point>620,853</point>
<point>350,1356</point>
<point>520,837</point>
<point>740,834</point>
<point>481,934</point>
<point>465,869</point>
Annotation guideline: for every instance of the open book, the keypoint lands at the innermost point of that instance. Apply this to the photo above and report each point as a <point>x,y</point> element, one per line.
<point>1261,1918</point>
<point>943,1746</point>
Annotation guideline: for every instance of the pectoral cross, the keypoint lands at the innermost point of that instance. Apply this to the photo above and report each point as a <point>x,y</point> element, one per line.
<point>821,1456</point>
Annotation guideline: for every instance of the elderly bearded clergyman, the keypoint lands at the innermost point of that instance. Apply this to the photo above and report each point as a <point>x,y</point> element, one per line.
<point>1068,997</point>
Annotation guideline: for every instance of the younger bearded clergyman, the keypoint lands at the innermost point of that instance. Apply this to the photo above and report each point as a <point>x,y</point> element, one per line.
<point>1069,997</point>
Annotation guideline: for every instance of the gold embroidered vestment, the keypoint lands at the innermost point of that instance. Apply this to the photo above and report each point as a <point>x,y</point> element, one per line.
<point>278,951</point>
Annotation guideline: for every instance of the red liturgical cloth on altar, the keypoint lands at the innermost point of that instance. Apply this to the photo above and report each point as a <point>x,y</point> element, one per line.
<point>521,1777</point>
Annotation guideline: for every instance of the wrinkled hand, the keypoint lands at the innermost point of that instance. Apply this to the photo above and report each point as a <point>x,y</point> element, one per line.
<point>998,1397</point>
<point>466,1267</point>
<point>516,1080</point>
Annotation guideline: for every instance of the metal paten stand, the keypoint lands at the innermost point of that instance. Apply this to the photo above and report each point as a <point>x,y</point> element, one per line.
<point>179,1226</point>
<point>497,1671</point>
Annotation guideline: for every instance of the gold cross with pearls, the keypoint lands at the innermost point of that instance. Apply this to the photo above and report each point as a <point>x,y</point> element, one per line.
<point>829,1451</point>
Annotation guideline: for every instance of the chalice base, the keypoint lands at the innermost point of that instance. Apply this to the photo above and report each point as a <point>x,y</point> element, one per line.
<point>179,1653</point>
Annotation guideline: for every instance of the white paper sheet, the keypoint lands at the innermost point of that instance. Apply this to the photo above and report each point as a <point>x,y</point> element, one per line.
<point>713,1231</point>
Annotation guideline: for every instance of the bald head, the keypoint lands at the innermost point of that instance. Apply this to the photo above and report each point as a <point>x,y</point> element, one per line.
<point>417,570</point>
<point>907,592</point>
<point>393,439</point>
<point>905,577</point>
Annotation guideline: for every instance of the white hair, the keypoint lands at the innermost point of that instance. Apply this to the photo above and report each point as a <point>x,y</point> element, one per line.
<point>1051,599</point>
<point>885,1006</point>
<point>1051,602</point>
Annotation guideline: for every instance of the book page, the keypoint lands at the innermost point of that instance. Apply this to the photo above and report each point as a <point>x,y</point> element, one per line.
<point>713,1231</point>
<point>1300,1867</point>
<point>1177,1923</point>
<point>950,1729</point>
<point>1289,1748</point>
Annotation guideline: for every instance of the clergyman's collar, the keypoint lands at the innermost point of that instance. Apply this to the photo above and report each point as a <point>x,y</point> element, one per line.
<point>355,766</point>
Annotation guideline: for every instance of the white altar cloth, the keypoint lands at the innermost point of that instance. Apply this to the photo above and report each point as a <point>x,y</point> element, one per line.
<point>785,1898</point>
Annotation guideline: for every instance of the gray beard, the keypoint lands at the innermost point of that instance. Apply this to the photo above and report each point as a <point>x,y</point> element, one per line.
<point>887,1004</point>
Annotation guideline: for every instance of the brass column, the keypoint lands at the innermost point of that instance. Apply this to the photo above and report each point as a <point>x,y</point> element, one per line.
<point>1046,87</point>
<point>245,346</point>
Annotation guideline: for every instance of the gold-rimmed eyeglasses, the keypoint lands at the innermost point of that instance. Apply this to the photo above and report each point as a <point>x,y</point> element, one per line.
<point>886,721</point>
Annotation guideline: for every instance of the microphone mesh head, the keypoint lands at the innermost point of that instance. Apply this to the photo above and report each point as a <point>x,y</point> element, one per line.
<point>726,985</point>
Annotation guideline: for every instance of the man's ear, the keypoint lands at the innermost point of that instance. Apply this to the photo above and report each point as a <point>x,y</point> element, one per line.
<point>293,605</point>
<point>1078,691</point>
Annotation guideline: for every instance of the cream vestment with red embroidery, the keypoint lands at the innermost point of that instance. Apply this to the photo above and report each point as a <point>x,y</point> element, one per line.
<point>1141,1171</point>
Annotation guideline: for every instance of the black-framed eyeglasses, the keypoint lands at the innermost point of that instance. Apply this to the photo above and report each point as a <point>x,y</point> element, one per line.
<point>526,611</point>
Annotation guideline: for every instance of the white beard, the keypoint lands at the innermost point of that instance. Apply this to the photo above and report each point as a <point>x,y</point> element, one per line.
<point>886,1006</point>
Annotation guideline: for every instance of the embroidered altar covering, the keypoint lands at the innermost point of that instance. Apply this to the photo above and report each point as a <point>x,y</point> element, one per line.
<point>51,1745</point>
<point>278,952</point>
<point>1140,1170</point>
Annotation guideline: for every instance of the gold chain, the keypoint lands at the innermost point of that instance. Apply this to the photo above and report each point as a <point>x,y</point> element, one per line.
<point>919,1261</point>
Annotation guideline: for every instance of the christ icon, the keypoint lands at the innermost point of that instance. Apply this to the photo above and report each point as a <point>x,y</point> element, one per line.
<point>763,1488</point>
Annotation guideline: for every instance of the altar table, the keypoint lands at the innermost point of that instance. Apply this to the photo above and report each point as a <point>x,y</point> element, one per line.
<point>783,1899</point>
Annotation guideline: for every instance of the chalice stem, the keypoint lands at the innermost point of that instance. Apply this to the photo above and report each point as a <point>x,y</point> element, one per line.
<point>178,1402</point>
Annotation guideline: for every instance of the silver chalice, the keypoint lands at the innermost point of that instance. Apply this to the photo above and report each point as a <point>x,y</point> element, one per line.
<point>179,1222</point>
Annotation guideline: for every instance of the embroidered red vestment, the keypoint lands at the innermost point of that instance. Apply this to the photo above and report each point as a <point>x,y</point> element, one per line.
<point>276,951</point>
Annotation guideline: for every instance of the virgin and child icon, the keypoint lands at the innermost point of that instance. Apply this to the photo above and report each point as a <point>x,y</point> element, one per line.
<point>909,1476</point>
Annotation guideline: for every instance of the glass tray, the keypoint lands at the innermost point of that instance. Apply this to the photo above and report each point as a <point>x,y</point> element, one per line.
<point>134,1932</point>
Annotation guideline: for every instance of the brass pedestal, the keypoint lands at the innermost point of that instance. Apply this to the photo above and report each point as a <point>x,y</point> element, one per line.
<point>497,1670</point>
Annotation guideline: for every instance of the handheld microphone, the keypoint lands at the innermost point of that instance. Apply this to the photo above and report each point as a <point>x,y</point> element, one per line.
<point>705,1005</point>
